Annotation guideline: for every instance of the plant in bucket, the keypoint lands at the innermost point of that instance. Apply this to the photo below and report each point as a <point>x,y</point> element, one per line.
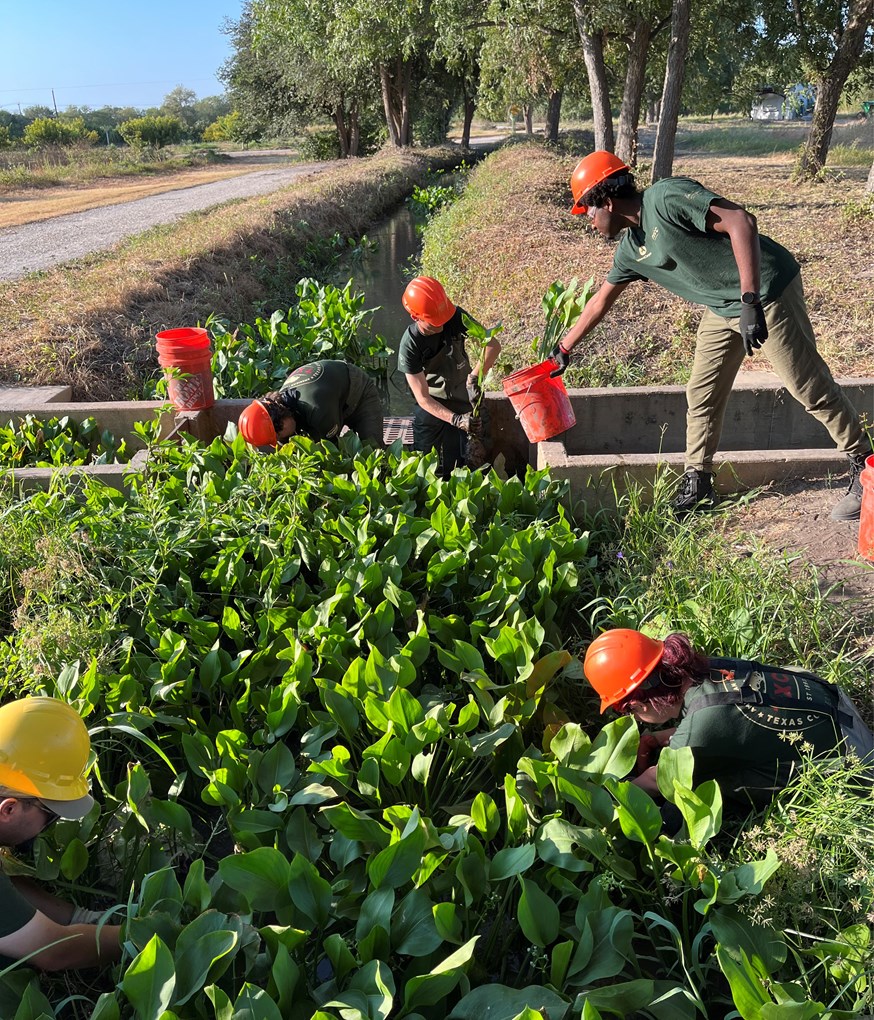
<point>866,519</point>
<point>185,356</point>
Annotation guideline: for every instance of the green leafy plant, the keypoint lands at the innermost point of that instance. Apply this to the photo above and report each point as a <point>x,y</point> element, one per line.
<point>562,304</point>
<point>52,442</point>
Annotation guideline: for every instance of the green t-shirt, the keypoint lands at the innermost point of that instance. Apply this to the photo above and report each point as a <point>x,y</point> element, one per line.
<point>324,392</point>
<point>743,746</point>
<point>443,359</point>
<point>16,913</point>
<point>673,247</point>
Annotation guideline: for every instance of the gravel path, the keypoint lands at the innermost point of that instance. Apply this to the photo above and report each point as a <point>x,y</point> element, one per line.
<point>42,245</point>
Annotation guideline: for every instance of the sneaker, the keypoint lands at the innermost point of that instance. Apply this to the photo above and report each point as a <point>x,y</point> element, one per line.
<point>694,493</point>
<point>849,506</point>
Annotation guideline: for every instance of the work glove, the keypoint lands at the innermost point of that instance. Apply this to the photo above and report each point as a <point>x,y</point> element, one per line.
<point>473,389</point>
<point>753,328</point>
<point>463,422</point>
<point>562,360</point>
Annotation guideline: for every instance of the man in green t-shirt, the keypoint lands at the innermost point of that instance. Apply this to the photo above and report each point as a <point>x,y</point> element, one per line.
<point>709,251</point>
<point>433,357</point>
<point>317,400</point>
<point>44,751</point>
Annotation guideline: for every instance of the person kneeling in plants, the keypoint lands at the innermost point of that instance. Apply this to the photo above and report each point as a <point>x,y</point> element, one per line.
<point>317,400</point>
<point>44,750</point>
<point>744,721</point>
<point>450,415</point>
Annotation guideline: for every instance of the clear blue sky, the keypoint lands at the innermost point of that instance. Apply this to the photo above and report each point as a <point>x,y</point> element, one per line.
<point>100,53</point>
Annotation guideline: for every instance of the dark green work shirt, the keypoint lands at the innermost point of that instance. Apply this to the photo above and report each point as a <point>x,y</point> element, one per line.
<point>673,247</point>
<point>743,746</point>
<point>443,359</point>
<point>324,394</point>
<point>16,912</point>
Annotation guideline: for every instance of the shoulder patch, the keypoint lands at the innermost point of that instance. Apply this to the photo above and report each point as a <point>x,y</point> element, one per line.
<point>305,374</point>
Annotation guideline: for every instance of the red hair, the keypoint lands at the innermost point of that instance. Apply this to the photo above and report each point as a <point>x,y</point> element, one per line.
<point>680,667</point>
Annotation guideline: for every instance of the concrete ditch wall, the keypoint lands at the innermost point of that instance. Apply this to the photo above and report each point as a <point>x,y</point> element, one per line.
<point>621,434</point>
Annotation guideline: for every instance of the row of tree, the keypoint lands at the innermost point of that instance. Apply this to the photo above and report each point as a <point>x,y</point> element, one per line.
<point>411,63</point>
<point>181,117</point>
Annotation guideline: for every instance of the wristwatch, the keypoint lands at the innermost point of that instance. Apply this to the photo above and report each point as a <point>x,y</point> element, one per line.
<point>750,297</point>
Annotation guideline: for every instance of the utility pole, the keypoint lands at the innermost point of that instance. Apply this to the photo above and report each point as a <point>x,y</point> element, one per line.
<point>54,102</point>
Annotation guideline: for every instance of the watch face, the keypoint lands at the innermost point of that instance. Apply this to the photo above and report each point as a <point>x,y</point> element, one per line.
<point>749,297</point>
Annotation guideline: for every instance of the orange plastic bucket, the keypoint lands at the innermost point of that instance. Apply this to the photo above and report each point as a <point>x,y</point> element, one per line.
<point>540,402</point>
<point>866,520</point>
<point>188,352</point>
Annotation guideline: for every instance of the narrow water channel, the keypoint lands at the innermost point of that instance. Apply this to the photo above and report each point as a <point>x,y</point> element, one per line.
<point>383,275</point>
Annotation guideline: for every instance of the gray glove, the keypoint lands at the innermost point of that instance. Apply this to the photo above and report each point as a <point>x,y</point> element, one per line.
<point>561,358</point>
<point>753,328</point>
<point>461,421</point>
<point>473,390</point>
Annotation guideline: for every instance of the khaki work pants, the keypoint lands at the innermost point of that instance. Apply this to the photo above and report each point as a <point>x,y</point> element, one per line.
<point>791,349</point>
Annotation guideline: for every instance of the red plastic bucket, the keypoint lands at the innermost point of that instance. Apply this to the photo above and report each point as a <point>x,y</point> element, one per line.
<point>540,402</point>
<point>188,351</point>
<point>866,520</point>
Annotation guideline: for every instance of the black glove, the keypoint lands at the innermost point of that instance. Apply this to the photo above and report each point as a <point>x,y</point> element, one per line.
<point>461,421</point>
<point>753,328</point>
<point>561,358</point>
<point>473,390</point>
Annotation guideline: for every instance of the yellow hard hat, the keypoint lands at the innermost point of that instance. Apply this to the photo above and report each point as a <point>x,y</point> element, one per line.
<point>44,751</point>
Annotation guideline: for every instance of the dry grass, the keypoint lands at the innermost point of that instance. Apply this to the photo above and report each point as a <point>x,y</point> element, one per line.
<point>91,324</point>
<point>514,220</point>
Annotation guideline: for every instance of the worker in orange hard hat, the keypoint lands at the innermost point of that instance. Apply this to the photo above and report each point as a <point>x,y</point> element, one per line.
<point>450,415</point>
<point>709,251</point>
<point>732,712</point>
<point>317,400</point>
<point>44,753</point>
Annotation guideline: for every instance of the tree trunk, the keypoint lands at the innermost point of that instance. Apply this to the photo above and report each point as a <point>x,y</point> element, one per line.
<point>869,187</point>
<point>469,107</point>
<point>593,55</point>
<point>342,134</point>
<point>528,115</point>
<point>635,79</point>
<point>828,93</point>
<point>675,72</point>
<point>354,130</point>
<point>395,88</point>
<point>553,115</point>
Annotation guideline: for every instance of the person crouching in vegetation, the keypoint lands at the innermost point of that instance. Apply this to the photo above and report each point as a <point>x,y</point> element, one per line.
<point>449,414</point>
<point>745,722</point>
<point>709,251</point>
<point>44,750</point>
<point>317,400</point>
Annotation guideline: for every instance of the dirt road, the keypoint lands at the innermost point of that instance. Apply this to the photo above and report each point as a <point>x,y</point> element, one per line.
<point>37,246</point>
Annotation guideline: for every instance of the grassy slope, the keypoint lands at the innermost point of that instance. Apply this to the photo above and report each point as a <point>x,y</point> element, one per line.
<point>91,324</point>
<point>514,220</point>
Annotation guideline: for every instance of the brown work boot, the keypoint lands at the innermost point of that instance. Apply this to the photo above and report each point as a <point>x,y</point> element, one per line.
<point>694,493</point>
<point>849,506</point>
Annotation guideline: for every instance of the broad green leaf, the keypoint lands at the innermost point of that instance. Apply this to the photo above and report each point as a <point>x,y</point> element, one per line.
<point>309,892</point>
<point>512,860</point>
<point>396,865</point>
<point>545,669</point>
<point>376,911</point>
<point>498,1002</point>
<point>485,815</point>
<point>428,989</point>
<point>557,839</point>
<point>639,817</point>
<point>761,943</point>
<point>194,960</point>
<point>342,960</point>
<point>260,875</point>
<point>748,988</point>
<point>255,1004</point>
<point>413,931</point>
<point>355,824</point>
<point>701,810</point>
<point>150,980</point>
<point>614,750</point>
<point>676,767</point>
<point>538,914</point>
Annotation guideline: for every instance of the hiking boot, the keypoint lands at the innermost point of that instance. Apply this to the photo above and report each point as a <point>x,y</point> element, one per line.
<point>694,493</point>
<point>849,506</point>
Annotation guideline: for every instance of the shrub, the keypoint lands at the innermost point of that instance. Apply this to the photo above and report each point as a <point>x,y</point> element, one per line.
<point>157,131</point>
<point>4,136</point>
<point>48,131</point>
<point>223,129</point>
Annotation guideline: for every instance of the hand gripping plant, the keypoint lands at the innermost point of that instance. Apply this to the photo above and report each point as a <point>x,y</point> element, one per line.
<point>481,337</point>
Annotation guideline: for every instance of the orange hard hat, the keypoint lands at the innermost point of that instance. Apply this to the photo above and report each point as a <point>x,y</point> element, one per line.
<point>618,661</point>
<point>255,425</point>
<point>591,170</point>
<point>426,300</point>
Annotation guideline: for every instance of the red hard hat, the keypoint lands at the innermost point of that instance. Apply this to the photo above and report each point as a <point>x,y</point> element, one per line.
<point>618,661</point>
<point>255,425</point>
<point>426,301</point>
<point>591,170</point>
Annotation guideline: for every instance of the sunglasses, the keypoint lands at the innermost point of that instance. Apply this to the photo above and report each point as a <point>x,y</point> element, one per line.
<point>51,816</point>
